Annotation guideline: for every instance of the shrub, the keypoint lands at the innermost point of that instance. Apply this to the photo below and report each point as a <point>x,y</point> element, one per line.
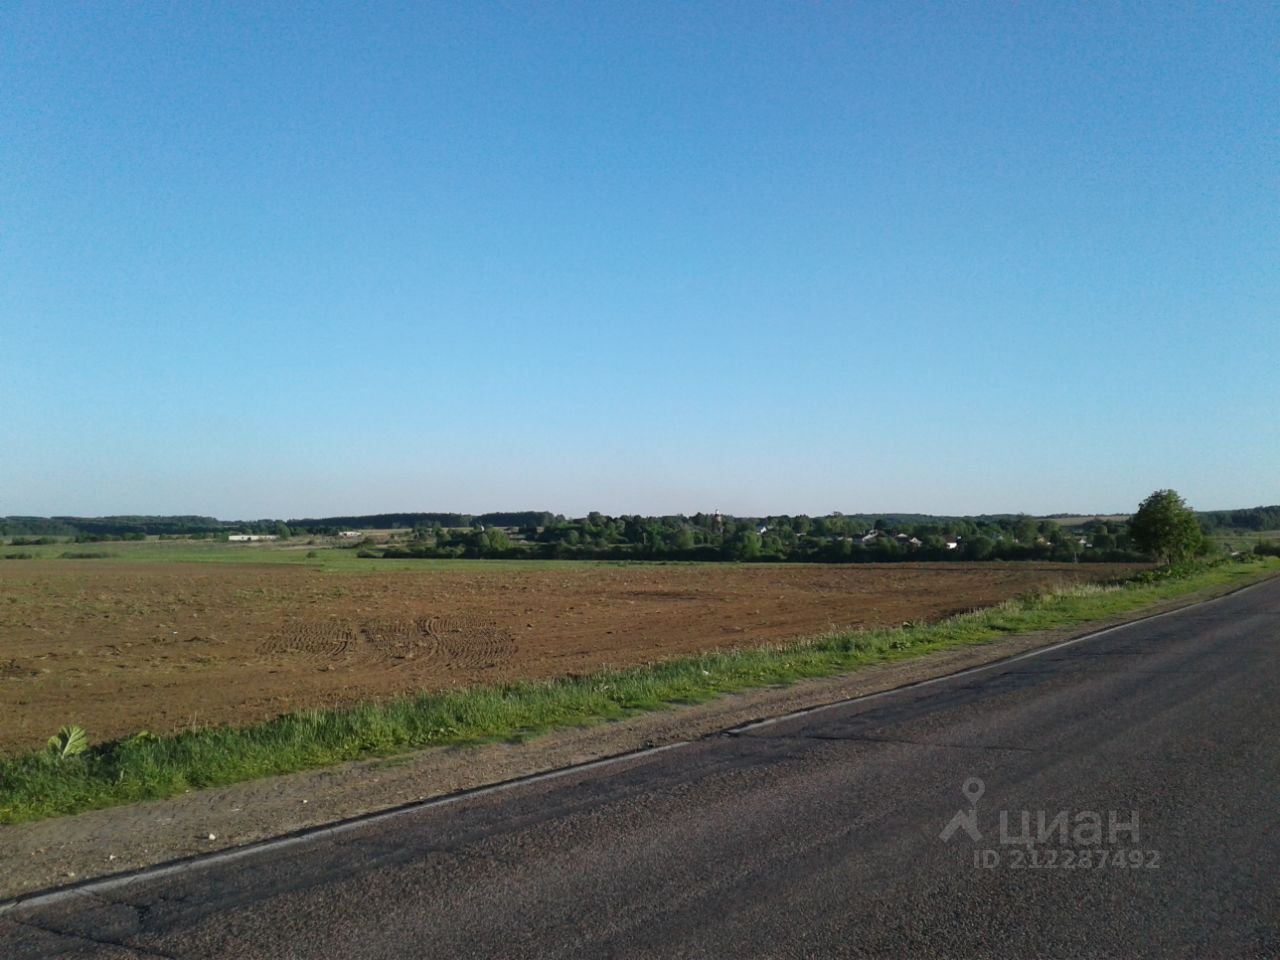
<point>68,742</point>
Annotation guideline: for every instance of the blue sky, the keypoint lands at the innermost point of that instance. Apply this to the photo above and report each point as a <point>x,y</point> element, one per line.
<point>308,259</point>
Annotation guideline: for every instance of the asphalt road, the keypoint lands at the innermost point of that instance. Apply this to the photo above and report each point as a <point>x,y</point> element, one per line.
<point>1156,746</point>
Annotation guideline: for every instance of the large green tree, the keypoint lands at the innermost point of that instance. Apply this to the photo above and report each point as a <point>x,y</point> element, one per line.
<point>1165,528</point>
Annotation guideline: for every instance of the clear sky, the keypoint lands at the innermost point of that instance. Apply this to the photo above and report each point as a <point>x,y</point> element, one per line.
<point>304,259</point>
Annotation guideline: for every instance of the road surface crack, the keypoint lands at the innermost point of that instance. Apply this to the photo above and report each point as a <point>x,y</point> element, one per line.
<point>863,738</point>
<point>100,941</point>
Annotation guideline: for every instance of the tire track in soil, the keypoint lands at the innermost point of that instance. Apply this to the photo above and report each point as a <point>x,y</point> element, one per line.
<point>453,641</point>
<point>325,640</point>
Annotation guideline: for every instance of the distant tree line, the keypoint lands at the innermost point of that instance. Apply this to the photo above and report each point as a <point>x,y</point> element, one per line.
<point>533,534</point>
<point>830,539</point>
<point>1254,518</point>
<point>399,521</point>
<point>35,527</point>
<point>95,529</point>
<point>114,528</point>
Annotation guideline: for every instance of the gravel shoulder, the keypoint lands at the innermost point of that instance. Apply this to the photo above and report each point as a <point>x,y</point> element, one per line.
<point>70,850</point>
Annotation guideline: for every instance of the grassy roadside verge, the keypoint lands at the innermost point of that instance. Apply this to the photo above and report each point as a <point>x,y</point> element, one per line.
<point>38,784</point>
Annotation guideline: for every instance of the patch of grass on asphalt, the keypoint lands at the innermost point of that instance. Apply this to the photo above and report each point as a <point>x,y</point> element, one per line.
<point>38,784</point>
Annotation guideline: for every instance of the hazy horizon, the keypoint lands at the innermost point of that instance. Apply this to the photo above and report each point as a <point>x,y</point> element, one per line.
<point>293,515</point>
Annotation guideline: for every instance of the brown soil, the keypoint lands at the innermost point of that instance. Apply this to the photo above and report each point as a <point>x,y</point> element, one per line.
<point>122,647</point>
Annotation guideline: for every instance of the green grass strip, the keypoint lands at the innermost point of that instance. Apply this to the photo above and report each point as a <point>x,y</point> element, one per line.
<point>40,784</point>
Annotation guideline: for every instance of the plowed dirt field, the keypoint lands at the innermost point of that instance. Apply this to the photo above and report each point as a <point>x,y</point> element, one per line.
<point>120,646</point>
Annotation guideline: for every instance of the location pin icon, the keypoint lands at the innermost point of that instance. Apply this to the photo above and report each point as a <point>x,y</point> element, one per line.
<point>973,789</point>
